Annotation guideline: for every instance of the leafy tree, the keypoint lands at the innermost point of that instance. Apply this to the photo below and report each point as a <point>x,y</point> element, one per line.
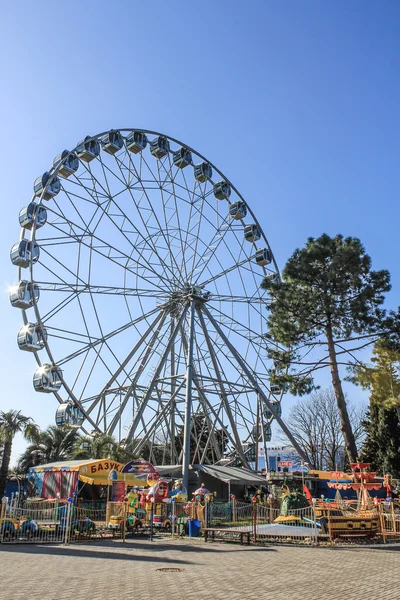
<point>51,445</point>
<point>11,423</point>
<point>327,306</point>
<point>382,378</point>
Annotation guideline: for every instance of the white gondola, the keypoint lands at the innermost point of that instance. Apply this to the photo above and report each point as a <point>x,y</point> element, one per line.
<point>222,190</point>
<point>24,294</point>
<point>267,433</point>
<point>88,149</point>
<point>23,252</point>
<point>69,414</point>
<point>238,210</point>
<point>271,276</point>
<point>263,257</point>
<point>136,142</point>
<point>202,172</point>
<point>278,389</point>
<point>252,233</point>
<point>68,163</point>
<point>112,142</point>
<point>33,214</point>
<point>278,409</point>
<point>159,147</point>
<point>32,337</point>
<point>47,186</point>
<point>182,158</point>
<point>47,378</point>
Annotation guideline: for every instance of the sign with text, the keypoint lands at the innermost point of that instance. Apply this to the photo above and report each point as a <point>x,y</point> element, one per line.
<point>285,463</point>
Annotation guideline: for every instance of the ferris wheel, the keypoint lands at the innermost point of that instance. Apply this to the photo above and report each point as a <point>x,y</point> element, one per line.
<point>139,272</point>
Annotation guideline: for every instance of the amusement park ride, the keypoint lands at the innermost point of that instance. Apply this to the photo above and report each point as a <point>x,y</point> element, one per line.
<point>139,271</point>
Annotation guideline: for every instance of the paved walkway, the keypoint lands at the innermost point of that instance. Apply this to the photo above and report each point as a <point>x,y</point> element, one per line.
<point>111,570</point>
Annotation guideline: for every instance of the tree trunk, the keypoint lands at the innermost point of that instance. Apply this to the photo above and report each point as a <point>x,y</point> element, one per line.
<point>5,463</point>
<point>348,436</point>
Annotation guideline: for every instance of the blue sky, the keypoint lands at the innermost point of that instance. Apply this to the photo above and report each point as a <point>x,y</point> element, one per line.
<point>296,102</point>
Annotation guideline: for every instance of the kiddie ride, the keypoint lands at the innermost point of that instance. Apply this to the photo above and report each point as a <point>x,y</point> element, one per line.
<point>160,501</point>
<point>18,528</point>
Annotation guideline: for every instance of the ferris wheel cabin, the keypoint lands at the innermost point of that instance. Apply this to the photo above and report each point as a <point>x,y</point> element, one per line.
<point>238,210</point>
<point>46,186</point>
<point>32,337</point>
<point>24,294</point>
<point>278,410</point>
<point>202,172</point>
<point>47,378</point>
<point>159,147</point>
<point>88,149</point>
<point>252,233</point>
<point>23,252</point>
<point>68,163</point>
<point>136,142</point>
<point>182,158</point>
<point>263,257</point>
<point>112,142</point>
<point>222,190</point>
<point>69,414</point>
<point>33,214</point>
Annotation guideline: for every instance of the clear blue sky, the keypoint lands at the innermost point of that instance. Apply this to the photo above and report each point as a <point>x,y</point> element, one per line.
<point>297,102</point>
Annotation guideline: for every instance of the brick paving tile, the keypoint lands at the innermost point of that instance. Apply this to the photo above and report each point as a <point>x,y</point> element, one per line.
<point>113,570</point>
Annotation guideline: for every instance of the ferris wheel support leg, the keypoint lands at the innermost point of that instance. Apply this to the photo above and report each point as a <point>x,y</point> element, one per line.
<point>188,399</point>
<point>254,382</point>
<point>156,375</point>
<point>223,392</point>
<point>205,402</point>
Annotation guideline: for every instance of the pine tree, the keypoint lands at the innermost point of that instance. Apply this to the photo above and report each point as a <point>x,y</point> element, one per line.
<point>329,299</point>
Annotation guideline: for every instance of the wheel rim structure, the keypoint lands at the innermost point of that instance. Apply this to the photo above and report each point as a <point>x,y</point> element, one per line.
<point>150,304</point>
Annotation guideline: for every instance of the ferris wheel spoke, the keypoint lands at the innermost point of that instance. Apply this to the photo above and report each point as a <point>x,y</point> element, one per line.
<point>141,367</point>
<point>163,264</point>
<point>95,342</point>
<point>224,271</point>
<point>122,256</point>
<point>173,264</point>
<point>184,274</point>
<point>109,199</point>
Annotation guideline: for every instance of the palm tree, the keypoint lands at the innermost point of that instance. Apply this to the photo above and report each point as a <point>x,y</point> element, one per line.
<point>11,423</point>
<point>102,446</point>
<point>52,445</point>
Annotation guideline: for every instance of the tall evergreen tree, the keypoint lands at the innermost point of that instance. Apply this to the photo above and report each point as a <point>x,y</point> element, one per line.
<point>381,447</point>
<point>329,299</point>
<point>382,378</point>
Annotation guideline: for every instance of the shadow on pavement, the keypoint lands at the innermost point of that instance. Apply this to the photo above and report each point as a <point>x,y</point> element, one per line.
<point>87,552</point>
<point>155,548</point>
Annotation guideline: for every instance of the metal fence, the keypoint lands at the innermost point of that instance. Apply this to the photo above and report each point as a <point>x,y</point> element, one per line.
<point>57,523</point>
<point>389,517</point>
<point>263,522</point>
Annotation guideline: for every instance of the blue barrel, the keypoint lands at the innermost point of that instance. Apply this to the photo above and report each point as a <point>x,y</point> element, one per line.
<point>194,528</point>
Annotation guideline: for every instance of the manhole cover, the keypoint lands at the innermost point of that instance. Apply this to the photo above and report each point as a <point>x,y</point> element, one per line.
<point>170,570</point>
